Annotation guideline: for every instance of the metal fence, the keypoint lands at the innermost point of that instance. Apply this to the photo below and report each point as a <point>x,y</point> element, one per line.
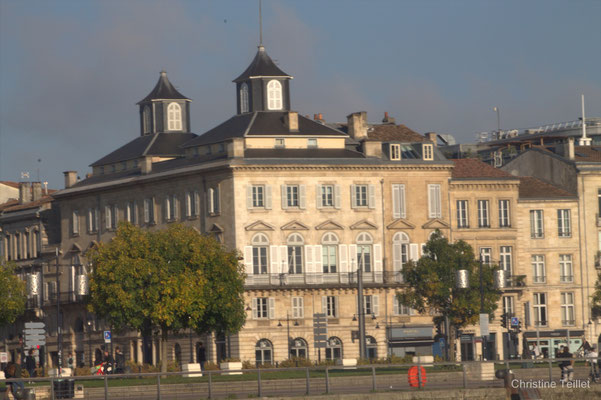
<point>263,382</point>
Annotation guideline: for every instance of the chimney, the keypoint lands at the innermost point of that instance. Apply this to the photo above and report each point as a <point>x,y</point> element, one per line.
<point>24,192</point>
<point>291,121</point>
<point>36,190</point>
<point>146,165</point>
<point>387,119</point>
<point>70,178</point>
<point>357,125</point>
<point>570,149</point>
<point>433,137</point>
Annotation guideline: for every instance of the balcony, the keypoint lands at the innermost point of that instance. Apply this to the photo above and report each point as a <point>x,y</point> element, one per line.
<point>314,279</point>
<point>65,298</point>
<point>514,282</point>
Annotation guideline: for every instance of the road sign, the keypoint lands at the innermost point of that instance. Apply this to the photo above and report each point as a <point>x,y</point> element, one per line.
<point>3,357</point>
<point>34,325</point>
<point>107,336</point>
<point>34,334</point>
<point>320,331</point>
<point>483,324</point>
<point>515,321</point>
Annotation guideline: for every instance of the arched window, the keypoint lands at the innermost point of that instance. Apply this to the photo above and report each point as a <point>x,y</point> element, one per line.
<point>334,349</point>
<point>260,244</point>
<point>400,252</point>
<point>177,354</point>
<point>372,347</point>
<point>174,117</point>
<point>263,352</point>
<point>329,251</point>
<point>364,241</point>
<point>146,119</point>
<point>274,95</point>
<point>295,254</point>
<point>298,348</point>
<point>244,98</point>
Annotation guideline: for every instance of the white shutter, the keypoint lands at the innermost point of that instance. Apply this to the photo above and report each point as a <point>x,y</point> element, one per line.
<point>167,209</point>
<point>301,194</point>
<point>284,259</point>
<point>343,257</point>
<point>353,196</point>
<point>318,202</point>
<point>431,202</point>
<point>284,200</point>
<point>72,283</point>
<point>248,259</point>
<point>46,288</point>
<point>336,309</point>
<point>271,308</point>
<point>403,203</point>
<point>249,196</point>
<point>300,307</point>
<point>309,262</point>
<point>96,213</point>
<point>188,204</point>
<point>372,196</point>
<point>352,258</point>
<point>422,248</point>
<point>254,307</point>
<point>324,305</point>
<point>378,258</point>
<point>395,305</point>
<point>317,259</point>
<point>396,201</point>
<point>175,207</point>
<point>210,201</point>
<point>397,260</point>
<point>437,199</point>
<point>275,260</point>
<point>375,304</point>
<point>337,196</point>
<point>197,202</point>
<point>268,197</point>
<point>146,211</point>
<point>413,252</point>
<point>107,217</point>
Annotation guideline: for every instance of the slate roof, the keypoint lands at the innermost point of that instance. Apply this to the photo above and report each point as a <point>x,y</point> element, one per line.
<point>261,65</point>
<point>159,144</point>
<point>472,168</point>
<point>534,188</point>
<point>271,123</point>
<point>13,205</point>
<point>587,153</point>
<point>163,90</point>
<point>302,153</point>
<point>10,183</point>
<point>393,133</point>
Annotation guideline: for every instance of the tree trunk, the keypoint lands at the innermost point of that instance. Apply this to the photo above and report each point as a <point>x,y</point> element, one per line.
<point>452,350</point>
<point>164,336</point>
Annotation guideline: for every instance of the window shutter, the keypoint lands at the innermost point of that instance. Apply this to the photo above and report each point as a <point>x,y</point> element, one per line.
<point>275,260</point>
<point>46,289</point>
<point>300,307</point>
<point>146,211</point>
<point>301,196</point>
<point>310,271</point>
<point>422,247</point>
<point>378,258</point>
<point>317,260</point>
<point>353,196</point>
<point>402,203</point>
<point>375,304</point>
<point>175,207</point>
<point>397,261</point>
<point>249,196</point>
<point>324,305</point>
<point>395,305</point>
<point>438,210</point>
<point>116,215</point>
<point>352,255</point>
<point>336,312</point>
<point>254,308</point>
<point>284,259</point>
<point>343,258</point>
<point>167,209</point>
<point>268,197</point>
<point>396,201</point>
<point>318,199</point>
<point>271,308</point>
<point>210,201</point>
<point>337,196</point>
<point>284,200</point>
<point>188,204</point>
<point>372,196</point>
<point>248,259</point>
<point>413,252</point>
<point>107,217</point>
<point>96,212</point>
<point>431,202</point>
<point>196,203</point>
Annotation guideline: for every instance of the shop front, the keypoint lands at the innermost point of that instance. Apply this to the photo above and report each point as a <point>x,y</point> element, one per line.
<point>550,342</point>
<point>413,340</point>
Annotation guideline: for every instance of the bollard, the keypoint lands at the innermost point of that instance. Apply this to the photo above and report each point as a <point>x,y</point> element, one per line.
<point>210,388</point>
<point>259,381</point>
<point>327,381</point>
<point>159,387</point>
<point>308,381</point>
<point>373,378</point>
<point>464,376</point>
<point>106,387</point>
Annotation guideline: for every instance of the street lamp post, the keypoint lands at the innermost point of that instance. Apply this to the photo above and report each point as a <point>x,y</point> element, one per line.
<point>288,330</point>
<point>58,318</point>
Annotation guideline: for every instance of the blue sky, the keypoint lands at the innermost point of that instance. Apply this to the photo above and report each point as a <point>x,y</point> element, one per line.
<point>72,71</point>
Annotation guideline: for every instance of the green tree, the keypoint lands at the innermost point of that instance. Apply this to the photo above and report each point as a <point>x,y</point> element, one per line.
<point>170,280</point>
<point>12,294</point>
<point>430,283</point>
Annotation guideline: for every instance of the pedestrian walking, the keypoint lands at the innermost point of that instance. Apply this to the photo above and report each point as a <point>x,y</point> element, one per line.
<point>119,360</point>
<point>30,363</point>
<point>202,356</point>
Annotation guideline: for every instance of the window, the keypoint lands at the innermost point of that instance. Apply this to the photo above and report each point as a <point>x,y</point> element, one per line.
<point>329,249</point>
<point>567,309</point>
<point>260,244</point>
<point>146,119</point>
<point>192,204</point>
<point>428,151</point>
<point>536,224</point>
<point>264,352</point>
<point>75,222</point>
<point>330,306</point>
<point>92,220</point>
<point>149,210</point>
<point>131,215</point>
<point>174,117</point>
<point>295,254</point>
<point>505,260</point>
<point>208,150</point>
<point>486,255</point>
<point>566,273</point>
<point>504,216</point>
<point>399,308</point>
<point>372,347</point>
<point>274,95</point>
<point>280,143</point>
<point>213,203</point>
<point>434,205</point>
<point>370,305</point>
<point>398,201</point>
<point>123,165</point>
<point>395,152</point>
<point>312,143</point>
<point>538,268</point>
<point>110,216</point>
<point>540,309</point>
<point>462,214</point>
<point>563,223</point>
<point>483,214</point>
<point>171,207</point>
<point>258,196</point>
<point>334,349</point>
<point>244,98</point>
<point>263,307</point>
<point>298,349</point>
<point>297,307</point>
<point>327,195</point>
<point>293,196</point>
<point>400,254</point>
<point>364,241</point>
<point>508,305</point>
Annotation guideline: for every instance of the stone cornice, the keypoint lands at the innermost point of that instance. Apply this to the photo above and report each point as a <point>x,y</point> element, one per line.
<point>488,185</point>
<point>334,167</point>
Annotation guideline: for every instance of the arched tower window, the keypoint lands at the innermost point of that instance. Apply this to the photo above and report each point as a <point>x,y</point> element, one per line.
<point>295,254</point>
<point>260,244</point>
<point>174,117</point>
<point>364,259</point>
<point>400,253</point>
<point>329,249</point>
<point>274,95</point>
<point>146,119</point>
<point>244,98</point>
<point>263,352</point>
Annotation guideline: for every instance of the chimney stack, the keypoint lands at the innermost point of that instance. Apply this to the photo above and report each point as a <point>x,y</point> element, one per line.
<point>70,178</point>
<point>357,125</point>
<point>146,165</point>
<point>431,136</point>
<point>570,152</point>
<point>387,119</point>
<point>291,121</point>
<point>36,190</point>
<point>24,192</point>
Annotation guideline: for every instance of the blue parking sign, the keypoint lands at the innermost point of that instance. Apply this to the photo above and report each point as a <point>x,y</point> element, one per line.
<point>515,321</point>
<point>107,336</point>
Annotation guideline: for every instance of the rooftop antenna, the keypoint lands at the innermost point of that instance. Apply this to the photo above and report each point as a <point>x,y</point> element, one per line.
<point>260,25</point>
<point>584,141</point>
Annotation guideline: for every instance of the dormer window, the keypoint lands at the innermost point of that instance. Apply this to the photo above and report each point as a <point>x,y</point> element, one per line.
<point>146,119</point>
<point>244,98</point>
<point>280,143</point>
<point>395,152</point>
<point>312,143</point>
<point>428,151</point>
<point>274,95</point>
<point>174,117</point>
